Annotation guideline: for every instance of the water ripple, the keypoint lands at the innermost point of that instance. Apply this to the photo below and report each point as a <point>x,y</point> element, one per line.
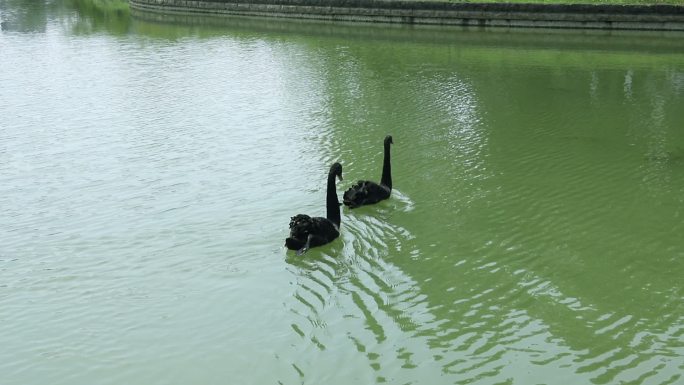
<point>149,171</point>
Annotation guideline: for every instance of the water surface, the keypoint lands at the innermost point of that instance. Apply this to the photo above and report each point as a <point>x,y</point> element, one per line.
<point>149,167</point>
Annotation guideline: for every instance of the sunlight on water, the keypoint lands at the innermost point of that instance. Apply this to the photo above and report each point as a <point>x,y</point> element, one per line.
<point>150,165</point>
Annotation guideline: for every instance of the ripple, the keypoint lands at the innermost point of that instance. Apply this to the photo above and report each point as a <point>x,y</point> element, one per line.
<point>149,170</point>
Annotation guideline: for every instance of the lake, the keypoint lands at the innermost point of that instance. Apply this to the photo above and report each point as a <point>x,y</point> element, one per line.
<point>149,167</point>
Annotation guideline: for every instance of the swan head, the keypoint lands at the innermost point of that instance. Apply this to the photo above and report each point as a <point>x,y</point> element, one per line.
<point>336,169</point>
<point>388,140</point>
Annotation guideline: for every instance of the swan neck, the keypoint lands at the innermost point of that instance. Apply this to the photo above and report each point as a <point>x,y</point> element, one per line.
<point>332,204</point>
<point>386,168</point>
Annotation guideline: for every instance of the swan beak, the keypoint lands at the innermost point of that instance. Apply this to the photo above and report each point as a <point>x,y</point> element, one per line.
<point>340,176</point>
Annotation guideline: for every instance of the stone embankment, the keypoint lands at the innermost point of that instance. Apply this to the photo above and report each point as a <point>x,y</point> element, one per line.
<point>654,17</point>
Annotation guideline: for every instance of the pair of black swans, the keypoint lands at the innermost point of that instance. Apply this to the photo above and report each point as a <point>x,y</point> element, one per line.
<point>307,232</point>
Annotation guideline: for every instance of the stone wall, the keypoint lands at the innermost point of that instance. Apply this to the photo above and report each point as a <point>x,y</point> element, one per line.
<point>657,17</point>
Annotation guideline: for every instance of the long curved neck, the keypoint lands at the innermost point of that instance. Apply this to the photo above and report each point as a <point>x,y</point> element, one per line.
<point>331,203</point>
<point>387,168</point>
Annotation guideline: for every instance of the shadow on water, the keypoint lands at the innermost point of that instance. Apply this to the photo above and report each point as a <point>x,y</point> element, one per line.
<point>24,16</point>
<point>111,16</point>
<point>82,16</point>
<point>115,17</point>
<point>180,25</point>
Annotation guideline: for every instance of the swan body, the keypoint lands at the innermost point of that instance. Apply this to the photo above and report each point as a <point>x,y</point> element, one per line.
<point>366,192</point>
<point>306,231</point>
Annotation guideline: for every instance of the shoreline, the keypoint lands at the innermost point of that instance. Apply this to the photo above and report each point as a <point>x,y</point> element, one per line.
<point>575,16</point>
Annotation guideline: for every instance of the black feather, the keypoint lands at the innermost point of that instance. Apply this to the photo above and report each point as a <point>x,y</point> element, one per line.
<point>365,192</point>
<point>306,231</point>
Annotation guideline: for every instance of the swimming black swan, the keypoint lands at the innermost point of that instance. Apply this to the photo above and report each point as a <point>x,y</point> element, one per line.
<point>306,231</point>
<point>365,192</point>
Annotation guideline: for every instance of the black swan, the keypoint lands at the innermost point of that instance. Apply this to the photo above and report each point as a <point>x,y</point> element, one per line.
<point>306,231</point>
<point>365,192</point>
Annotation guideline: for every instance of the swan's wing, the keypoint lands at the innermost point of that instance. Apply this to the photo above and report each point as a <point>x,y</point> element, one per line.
<point>364,192</point>
<point>301,226</point>
<point>306,232</point>
<point>355,194</point>
<point>377,191</point>
<point>324,227</point>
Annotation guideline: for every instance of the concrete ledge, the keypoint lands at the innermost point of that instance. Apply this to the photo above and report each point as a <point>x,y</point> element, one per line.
<point>656,17</point>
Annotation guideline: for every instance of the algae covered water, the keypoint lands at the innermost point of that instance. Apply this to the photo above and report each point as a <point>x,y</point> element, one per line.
<point>150,166</point>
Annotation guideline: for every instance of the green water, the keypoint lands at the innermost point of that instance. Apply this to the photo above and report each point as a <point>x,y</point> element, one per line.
<point>149,168</point>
